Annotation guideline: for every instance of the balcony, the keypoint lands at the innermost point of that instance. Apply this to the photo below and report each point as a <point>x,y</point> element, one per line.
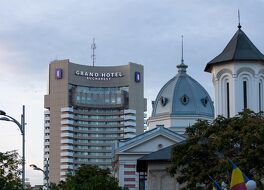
<point>130,123</point>
<point>130,111</point>
<point>66,115</point>
<point>94,163</point>
<point>66,128</point>
<point>129,130</point>
<point>67,109</point>
<point>121,105</point>
<point>46,130</point>
<point>66,160</point>
<point>47,112</point>
<point>108,150</point>
<point>116,112</point>
<point>95,138</point>
<point>66,147</point>
<point>102,125</point>
<point>65,167</point>
<point>98,119</point>
<point>68,154</point>
<point>46,124</point>
<point>67,122</point>
<point>66,141</point>
<point>129,117</point>
<point>66,134</point>
<point>46,156</point>
<point>129,135</point>
<point>91,156</point>
<point>106,131</point>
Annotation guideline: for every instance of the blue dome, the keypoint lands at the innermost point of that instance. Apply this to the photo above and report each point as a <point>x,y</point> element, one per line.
<point>183,96</point>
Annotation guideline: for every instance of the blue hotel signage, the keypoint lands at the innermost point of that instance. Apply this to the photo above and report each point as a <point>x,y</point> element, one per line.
<point>137,77</point>
<point>58,73</point>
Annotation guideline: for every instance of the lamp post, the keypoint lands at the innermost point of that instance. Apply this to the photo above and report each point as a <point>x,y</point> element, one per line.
<point>21,126</point>
<point>46,174</point>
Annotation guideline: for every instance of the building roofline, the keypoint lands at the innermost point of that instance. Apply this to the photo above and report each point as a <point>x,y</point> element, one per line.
<point>143,136</point>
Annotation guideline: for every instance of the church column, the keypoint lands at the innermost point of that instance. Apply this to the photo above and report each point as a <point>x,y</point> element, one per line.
<point>234,93</point>
<point>217,101</point>
<point>254,98</point>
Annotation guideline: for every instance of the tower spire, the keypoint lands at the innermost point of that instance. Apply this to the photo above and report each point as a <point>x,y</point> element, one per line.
<point>93,47</point>
<point>182,61</point>
<point>238,14</point>
<point>182,67</point>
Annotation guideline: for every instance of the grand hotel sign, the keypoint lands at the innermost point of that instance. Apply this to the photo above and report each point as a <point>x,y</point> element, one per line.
<point>103,76</point>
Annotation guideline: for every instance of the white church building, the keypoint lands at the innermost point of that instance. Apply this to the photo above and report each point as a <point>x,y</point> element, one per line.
<point>238,79</point>
<point>238,74</point>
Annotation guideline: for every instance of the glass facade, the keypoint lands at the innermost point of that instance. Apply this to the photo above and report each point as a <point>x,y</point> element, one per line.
<point>100,96</point>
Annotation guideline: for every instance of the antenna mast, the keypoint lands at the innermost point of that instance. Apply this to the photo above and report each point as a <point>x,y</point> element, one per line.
<point>239,26</point>
<point>93,47</point>
<point>182,61</point>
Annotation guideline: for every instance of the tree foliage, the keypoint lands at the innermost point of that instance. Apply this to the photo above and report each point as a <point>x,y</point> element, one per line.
<point>9,171</point>
<point>208,146</point>
<point>89,177</point>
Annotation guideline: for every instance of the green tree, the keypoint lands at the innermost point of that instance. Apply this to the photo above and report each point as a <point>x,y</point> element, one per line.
<point>9,171</point>
<point>208,146</point>
<point>90,177</point>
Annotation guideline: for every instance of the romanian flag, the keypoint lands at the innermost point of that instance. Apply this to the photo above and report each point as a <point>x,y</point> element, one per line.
<point>237,179</point>
<point>216,186</point>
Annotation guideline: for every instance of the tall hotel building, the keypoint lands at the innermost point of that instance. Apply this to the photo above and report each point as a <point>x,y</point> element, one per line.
<point>87,110</point>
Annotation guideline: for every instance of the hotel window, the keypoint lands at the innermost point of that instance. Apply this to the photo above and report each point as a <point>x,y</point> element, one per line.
<point>118,100</point>
<point>83,99</point>
<point>107,100</point>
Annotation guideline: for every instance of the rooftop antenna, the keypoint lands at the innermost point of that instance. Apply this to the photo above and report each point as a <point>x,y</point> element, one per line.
<point>93,47</point>
<point>239,26</point>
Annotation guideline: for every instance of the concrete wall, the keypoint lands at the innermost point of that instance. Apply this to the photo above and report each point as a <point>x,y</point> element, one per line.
<point>159,179</point>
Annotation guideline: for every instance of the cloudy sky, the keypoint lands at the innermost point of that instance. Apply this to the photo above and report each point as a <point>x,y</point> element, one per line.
<point>148,32</point>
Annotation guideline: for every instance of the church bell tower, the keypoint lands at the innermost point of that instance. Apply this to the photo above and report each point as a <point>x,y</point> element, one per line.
<point>238,77</point>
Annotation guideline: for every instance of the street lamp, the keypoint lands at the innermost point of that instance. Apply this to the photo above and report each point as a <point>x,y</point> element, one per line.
<point>46,174</point>
<point>21,126</point>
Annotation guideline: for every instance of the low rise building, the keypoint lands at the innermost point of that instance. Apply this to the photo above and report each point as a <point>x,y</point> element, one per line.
<point>128,152</point>
<point>154,167</point>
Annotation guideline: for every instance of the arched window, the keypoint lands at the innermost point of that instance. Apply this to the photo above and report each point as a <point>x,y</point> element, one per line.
<point>260,94</point>
<point>224,97</point>
<point>227,99</point>
<point>245,91</point>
